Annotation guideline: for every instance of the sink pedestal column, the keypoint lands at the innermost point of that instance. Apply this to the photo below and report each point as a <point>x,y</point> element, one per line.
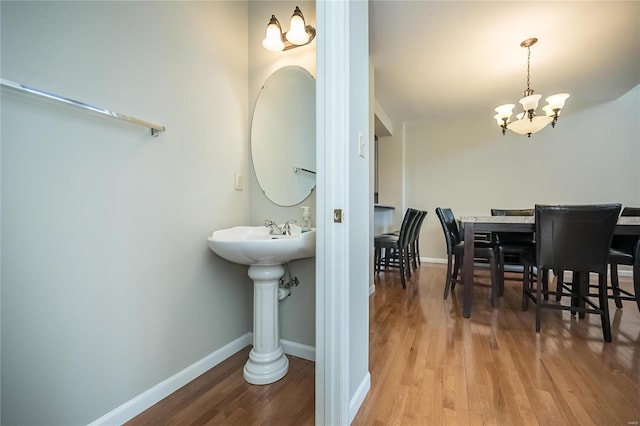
<point>267,362</point>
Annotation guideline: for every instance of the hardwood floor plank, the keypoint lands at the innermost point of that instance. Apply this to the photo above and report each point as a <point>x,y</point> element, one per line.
<point>430,366</point>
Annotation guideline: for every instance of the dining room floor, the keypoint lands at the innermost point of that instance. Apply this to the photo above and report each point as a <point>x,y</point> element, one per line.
<point>430,366</point>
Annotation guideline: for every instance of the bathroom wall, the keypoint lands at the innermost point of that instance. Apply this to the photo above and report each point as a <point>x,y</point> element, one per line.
<point>297,312</point>
<point>108,286</point>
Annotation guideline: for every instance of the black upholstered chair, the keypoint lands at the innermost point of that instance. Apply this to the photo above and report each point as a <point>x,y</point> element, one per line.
<point>414,243</point>
<point>577,239</point>
<point>486,250</point>
<point>396,248</point>
<point>625,250</point>
<point>414,239</point>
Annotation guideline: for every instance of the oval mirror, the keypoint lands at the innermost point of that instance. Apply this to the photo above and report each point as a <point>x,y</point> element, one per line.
<point>283,136</point>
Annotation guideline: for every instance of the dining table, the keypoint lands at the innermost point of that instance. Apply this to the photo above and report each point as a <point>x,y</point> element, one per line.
<point>627,225</point>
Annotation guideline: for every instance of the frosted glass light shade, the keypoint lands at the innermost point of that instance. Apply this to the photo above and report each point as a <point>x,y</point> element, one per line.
<point>549,111</point>
<point>273,38</point>
<point>505,111</point>
<point>499,119</point>
<point>530,102</point>
<point>520,115</point>
<point>526,126</point>
<point>557,101</point>
<point>297,34</point>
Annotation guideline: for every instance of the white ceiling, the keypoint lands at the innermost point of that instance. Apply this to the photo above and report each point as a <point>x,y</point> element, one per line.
<point>445,59</point>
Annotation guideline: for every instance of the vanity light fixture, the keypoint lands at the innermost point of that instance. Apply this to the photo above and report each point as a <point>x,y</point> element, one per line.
<point>299,34</point>
<point>527,121</point>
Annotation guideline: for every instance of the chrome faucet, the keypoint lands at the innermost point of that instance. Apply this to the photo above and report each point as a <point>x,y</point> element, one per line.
<point>286,229</point>
<point>274,228</point>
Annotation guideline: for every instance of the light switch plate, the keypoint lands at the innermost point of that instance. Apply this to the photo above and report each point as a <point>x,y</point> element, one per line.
<point>361,145</point>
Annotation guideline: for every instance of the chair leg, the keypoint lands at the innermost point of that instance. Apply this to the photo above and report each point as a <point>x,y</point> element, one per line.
<point>636,280</point>
<point>412,251</point>
<point>545,284</point>
<point>604,306</point>
<point>615,285</point>
<point>539,282</point>
<point>417,243</point>
<point>583,288</point>
<point>501,263</point>
<point>387,255</point>
<point>559,284</point>
<point>495,281</point>
<point>407,260</point>
<point>456,269</point>
<point>447,284</point>
<point>401,265</point>
<point>376,261</point>
<point>526,284</point>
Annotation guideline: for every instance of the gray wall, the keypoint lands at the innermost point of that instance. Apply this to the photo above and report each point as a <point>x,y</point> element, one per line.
<point>297,312</point>
<point>108,286</point>
<point>391,173</point>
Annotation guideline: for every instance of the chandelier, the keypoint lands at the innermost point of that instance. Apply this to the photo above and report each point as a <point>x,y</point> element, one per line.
<point>527,121</point>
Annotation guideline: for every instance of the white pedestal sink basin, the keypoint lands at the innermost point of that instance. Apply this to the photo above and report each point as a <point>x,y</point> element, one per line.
<point>265,254</point>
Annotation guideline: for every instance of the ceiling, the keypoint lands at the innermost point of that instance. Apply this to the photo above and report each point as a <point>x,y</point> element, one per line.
<point>446,59</point>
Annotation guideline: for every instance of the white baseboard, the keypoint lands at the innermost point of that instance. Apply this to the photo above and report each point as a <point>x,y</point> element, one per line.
<point>432,260</point>
<point>297,349</point>
<point>358,397</point>
<point>137,405</point>
<point>146,399</point>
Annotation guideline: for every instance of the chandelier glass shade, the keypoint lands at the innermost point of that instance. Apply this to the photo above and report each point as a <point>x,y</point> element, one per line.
<point>528,122</point>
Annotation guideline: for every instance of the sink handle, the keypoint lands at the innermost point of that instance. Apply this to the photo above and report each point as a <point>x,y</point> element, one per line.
<point>275,229</point>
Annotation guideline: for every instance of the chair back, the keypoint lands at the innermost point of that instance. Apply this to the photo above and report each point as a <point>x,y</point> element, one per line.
<point>408,220</point>
<point>626,243</point>
<point>575,238</point>
<point>417,224</point>
<point>449,227</point>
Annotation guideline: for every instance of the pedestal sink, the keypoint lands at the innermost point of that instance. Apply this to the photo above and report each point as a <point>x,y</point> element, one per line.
<point>265,254</point>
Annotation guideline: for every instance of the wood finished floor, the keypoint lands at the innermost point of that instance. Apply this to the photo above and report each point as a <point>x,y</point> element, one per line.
<point>429,366</point>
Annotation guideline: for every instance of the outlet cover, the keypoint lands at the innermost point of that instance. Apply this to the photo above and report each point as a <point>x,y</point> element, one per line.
<point>239,181</point>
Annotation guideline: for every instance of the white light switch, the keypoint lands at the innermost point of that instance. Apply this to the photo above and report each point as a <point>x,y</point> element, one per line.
<point>361,145</point>
<point>239,181</point>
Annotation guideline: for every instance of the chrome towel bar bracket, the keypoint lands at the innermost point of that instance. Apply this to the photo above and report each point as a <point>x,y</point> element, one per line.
<point>155,128</point>
<point>302,169</point>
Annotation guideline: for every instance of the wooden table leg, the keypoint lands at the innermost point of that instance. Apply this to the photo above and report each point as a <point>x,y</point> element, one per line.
<point>467,269</point>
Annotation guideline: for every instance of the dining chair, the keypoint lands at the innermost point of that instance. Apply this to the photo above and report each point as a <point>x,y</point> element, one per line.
<point>486,250</point>
<point>625,250</point>
<point>511,244</point>
<point>396,248</point>
<point>577,239</point>
<point>414,243</point>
